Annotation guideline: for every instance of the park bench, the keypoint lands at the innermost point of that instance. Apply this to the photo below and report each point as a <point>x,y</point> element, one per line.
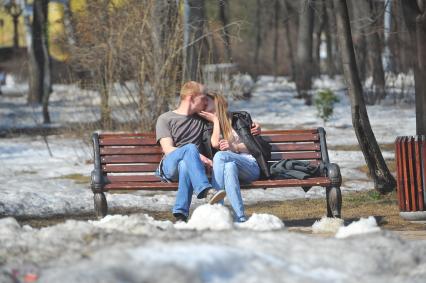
<point>127,161</point>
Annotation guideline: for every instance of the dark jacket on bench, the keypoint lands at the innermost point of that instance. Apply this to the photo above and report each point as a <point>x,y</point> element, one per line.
<point>295,169</point>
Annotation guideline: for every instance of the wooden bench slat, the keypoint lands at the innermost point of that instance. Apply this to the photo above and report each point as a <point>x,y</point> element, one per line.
<point>296,147</point>
<point>128,141</point>
<point>134,178</point>
<point>109,150</point>
<point>320,181</point>
<point>291,138</point>
<point>301,131</point>
<point>131,158</point>
<point>129,168</point>
<point>295,155</point>
<point>142,186</point>
<point>125,134</point>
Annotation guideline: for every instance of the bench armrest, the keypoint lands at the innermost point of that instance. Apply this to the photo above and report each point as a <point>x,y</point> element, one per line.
<point>332,171</point>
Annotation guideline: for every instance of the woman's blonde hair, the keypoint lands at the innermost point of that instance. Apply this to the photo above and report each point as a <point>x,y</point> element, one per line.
<point>221,106</point>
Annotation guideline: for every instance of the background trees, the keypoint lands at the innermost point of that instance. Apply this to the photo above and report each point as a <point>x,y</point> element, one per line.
<point>146,48</point>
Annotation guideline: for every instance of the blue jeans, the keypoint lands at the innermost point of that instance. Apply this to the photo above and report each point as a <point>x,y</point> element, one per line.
<point>184,165</point>
<point>229,169</point>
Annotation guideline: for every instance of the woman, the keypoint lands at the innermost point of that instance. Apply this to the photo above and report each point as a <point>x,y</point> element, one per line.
<point>234,162</point>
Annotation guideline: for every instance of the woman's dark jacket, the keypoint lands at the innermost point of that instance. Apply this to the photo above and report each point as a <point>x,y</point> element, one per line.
<point>258,147</point>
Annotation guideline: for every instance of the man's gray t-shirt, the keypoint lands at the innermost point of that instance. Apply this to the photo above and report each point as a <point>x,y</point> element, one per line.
<point>181,128</point>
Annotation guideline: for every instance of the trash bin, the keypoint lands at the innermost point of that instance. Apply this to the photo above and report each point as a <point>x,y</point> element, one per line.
<point>410,156</point>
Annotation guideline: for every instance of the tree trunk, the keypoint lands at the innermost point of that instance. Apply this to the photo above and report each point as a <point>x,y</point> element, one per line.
<point>47,78</point>
<point>38,57</point>
<point>68,24</point>
<point>258,35</point>
<point>374,53</point>
<point>224,17</point>
<point>319,22</point>
<point>383,180</point>
<point>276,38</point>
<point>359,41</point>
<point>194,30</point>
<point>15,31</point>
<point>290,53</point>
<point>388,60</point>
<point>304,63</point>
<point>328,24</point>
<point>415,20</point>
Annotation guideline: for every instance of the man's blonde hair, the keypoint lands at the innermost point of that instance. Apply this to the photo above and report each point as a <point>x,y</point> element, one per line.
<point>190,88</point>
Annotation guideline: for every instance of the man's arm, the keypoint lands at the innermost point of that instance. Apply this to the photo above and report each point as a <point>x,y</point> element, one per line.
<point>167,145</point>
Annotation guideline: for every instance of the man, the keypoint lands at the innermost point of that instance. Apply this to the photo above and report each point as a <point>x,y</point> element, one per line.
<point>179,133</point>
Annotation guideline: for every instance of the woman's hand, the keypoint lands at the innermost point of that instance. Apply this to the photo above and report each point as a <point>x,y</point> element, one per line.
<point>208,116</point>
<point>224,145</point>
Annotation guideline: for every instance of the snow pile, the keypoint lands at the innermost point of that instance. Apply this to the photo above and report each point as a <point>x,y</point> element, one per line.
<point>133,224</point>
<point>327,225</point>
<point>213,217</point>
<point>262,222</point>
<point>218,217</point>
<point>363,226</point>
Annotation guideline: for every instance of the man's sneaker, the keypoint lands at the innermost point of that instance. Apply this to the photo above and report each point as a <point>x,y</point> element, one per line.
<point>180,217</point>
<point>213,196</point>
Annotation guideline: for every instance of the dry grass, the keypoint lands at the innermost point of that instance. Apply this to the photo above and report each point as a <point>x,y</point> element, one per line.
<point>303,213</point>
<point>390,163</point>
<point>355,147</point>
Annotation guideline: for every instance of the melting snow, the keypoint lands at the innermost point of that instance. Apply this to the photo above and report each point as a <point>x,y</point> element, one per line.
<point>363,226</point>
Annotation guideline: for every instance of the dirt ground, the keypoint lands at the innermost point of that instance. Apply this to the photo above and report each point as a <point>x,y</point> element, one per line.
<point>299,215</point>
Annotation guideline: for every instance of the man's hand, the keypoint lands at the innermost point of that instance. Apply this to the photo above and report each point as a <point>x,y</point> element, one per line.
<point>255,129</point>
<point>207,162</point>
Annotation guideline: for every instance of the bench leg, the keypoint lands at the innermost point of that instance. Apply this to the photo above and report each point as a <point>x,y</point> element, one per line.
<point>101,206</point>
<point>334,202</point>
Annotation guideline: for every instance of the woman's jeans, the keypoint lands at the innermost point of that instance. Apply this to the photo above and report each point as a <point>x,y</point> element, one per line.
<point>229,169</point>
<point>184,164</point>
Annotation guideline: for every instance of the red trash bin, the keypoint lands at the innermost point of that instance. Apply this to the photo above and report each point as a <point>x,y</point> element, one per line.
<point>410,155</point>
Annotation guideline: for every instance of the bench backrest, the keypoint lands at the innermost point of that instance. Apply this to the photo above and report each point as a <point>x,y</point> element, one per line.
<point>134,157</point>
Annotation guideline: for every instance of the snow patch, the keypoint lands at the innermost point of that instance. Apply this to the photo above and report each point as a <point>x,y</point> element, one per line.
<point>327,225</point>
<point>213,217</point>
<point>262,222</point>
<point>363,226</point>
<point>133,224</point>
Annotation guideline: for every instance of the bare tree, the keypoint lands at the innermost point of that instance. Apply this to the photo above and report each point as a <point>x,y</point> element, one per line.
<point>374,50</point>
<point>330,25</point>
<point>258,25</point>
<point>290,48</point>
<point>277,12</point>
<point>304,61</point>
<point>319,25</point>
<point>224,18</point>
<point>194,28</point>
<point>132,55</point>
<point>14,9</point>
<point>384,182</point>
<point>415,20</point>
<point>39,59</point>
